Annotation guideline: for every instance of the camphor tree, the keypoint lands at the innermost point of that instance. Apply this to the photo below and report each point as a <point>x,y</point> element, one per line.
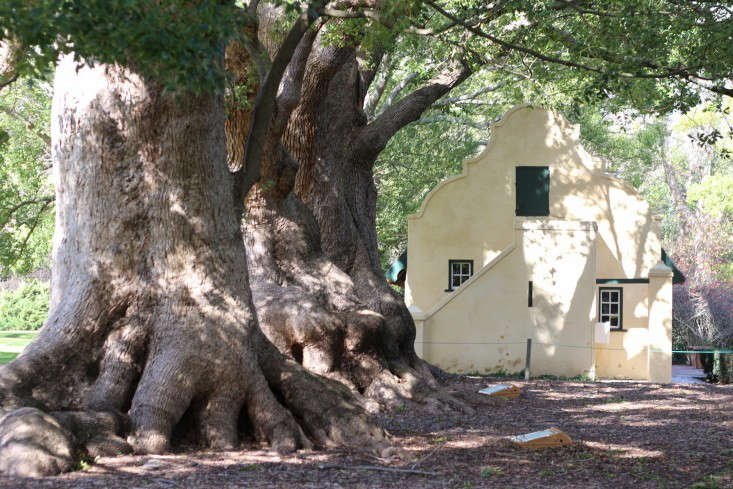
<point>168,311</point>
<point>151,312</point>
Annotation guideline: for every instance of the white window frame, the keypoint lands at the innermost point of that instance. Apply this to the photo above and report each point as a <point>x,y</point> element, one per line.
<point>459,272</point>
<point>608,301</point>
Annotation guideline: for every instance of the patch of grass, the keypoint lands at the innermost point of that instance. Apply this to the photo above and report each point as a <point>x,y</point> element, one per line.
<point>85,463</point>
<point>439,439</point>
<point>489,471</point>
<point>16,339</point>
<point>11,342</point>
<point>7,357</point>
<point>709,482</point>
<point>502,374</point>
<point>401,409</point>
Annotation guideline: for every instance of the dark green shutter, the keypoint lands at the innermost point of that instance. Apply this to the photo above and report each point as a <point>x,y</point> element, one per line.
<point>533,191</point>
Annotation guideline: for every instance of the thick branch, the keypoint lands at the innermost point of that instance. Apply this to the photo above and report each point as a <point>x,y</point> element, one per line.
<point>470,98</point>
<point>265,106</point>
<point>374,136</point>
<point>368,65</point>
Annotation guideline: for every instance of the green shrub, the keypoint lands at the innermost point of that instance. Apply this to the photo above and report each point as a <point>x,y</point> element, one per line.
<point>25,308</point>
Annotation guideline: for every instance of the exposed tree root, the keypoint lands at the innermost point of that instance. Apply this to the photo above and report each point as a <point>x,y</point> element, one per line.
<point>151,313</point>
<point>309,308</point>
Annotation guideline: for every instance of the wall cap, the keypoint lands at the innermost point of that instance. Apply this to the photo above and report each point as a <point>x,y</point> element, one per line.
<point>496,128</point>
<point>661,270</point>
<point>424,316</point>
<point>530,223</point>
<point>416,312</point>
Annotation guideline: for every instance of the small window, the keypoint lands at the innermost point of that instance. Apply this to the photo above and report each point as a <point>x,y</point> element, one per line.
<point>458,272</point>
<point>532,191</point>
<point>610,306</point>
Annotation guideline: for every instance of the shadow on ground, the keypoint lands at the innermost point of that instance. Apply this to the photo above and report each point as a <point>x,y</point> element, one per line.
<point>626,435</point>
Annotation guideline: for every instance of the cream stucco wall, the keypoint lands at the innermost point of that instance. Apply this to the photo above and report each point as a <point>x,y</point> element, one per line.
<point>484,325</point>
<point>471,216</point>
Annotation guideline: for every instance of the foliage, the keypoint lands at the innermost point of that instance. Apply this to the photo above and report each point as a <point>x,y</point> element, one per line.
<point>415,160</point>
<point>586,48</point>
<point>714,194</point>
<point>578,60</point>
<point>26,195</point>
<point>176,42</point>
<point>25,308</point>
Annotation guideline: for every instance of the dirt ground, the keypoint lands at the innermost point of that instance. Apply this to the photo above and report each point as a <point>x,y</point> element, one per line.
<point>626,435</point>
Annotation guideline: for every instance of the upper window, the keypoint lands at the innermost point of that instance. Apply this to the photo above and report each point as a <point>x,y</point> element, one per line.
<point>458,272</point>
<point>533,191</point>
<point>610,306</point>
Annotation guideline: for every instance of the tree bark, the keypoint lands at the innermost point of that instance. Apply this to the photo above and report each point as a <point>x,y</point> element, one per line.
<point>152,324</point>
<point>310,233</point>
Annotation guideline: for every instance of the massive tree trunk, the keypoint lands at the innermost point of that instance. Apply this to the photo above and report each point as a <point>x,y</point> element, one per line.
<point>152,324</point>
<point>310,230</point>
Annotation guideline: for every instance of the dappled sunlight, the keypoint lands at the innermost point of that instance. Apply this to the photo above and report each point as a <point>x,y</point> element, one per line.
<point>621,432</point>
<point>625,451</point>
<point>641,309</point>
<point>634,342</point>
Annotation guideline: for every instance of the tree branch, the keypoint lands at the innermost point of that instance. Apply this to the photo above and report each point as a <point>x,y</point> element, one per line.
<point>12,210</point>
<point>509,45</point>
<point>9,81</point>
<point>366,13</point>
<point>36,220</point>
<point>455,120</point>
<point>682,73</point>
<point>373,97</point>
<point>398,89</point>
<point>470,98</point>
<point>252,8</point>
<point>9,54</point>
<point>368,64</point>
<point>265,106</point>
<point>28,124</point>
<point>375,135</point>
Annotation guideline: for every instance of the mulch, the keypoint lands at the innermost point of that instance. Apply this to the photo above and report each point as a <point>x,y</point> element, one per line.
<point>625,434</point>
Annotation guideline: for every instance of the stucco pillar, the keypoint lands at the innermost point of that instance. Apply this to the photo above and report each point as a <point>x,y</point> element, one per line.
<point>419,317</point>
<point>660,323</point>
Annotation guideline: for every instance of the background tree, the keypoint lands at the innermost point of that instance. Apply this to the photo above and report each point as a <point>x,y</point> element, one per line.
<point>26,194</point>
<point>682,166</point>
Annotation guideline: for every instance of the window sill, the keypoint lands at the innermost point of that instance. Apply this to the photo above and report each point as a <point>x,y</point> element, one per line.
<point>618,330</point>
